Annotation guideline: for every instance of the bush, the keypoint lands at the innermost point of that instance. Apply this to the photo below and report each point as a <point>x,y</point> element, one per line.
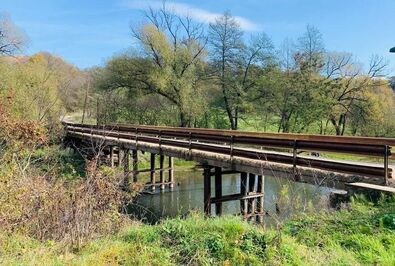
<point>53,208</point>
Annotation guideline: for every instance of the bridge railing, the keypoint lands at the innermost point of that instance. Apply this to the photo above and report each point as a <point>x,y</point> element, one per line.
<point>233,143</point>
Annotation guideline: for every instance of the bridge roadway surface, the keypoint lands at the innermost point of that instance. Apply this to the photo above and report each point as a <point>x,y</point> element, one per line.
<point>309,169</point>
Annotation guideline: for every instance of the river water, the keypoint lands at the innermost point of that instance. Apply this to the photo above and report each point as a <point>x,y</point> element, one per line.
<point>283,198</point>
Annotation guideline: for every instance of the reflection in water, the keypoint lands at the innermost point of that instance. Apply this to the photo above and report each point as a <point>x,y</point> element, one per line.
<point>289,197</point>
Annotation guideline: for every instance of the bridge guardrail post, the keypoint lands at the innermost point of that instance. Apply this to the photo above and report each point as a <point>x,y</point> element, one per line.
<point>295,158</point>
<point>160,141</point>
<point>231,148</point>
<point>137,138</point>
<point>190,144</point>
<point>386,163</point>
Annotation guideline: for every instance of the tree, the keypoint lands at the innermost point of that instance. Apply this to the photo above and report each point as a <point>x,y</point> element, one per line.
<point>226,44</point>
<point>32,88</point>
<point>295,89</point>
<point>12,39</point>
<point>311,50</point>
<point>236,63</point>
<point>169,63</point>
<point>347,85</point>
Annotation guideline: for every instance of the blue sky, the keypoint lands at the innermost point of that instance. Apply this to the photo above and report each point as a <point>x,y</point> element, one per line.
<point>88,32</point>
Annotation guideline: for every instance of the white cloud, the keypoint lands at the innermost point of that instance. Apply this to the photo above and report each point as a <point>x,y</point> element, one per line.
<point>197,14</point>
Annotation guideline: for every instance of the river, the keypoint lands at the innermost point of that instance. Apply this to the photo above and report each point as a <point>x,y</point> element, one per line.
<point>283,198</point>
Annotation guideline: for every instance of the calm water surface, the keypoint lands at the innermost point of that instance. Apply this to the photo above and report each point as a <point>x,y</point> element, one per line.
<point>187,195</point>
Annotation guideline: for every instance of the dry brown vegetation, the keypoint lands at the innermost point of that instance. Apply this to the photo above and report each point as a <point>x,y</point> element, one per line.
<point>43,204</point>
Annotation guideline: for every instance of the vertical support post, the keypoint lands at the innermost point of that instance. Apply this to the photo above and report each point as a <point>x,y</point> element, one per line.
<point>162,171</point>
<point>171,172</point>
<point>218,190</point>
<point>126,169</point>
<point>120,156</point>
<point>135,165</point>
<point>386,162</point>
<point>152,171</point>
<point>112,156</point>
<point>243,192</point>
<point>260,200</point>
<point>295,158</point>
<point>251,189</point>
<point>207,190</point>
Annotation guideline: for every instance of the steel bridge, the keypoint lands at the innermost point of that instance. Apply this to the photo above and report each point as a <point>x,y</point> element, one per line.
<point>252,154</point>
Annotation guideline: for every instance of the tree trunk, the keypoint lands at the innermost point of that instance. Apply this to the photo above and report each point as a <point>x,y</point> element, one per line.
<point>183,119</point>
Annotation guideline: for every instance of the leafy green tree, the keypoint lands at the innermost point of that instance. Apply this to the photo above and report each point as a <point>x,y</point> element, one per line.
<point>236,63</point>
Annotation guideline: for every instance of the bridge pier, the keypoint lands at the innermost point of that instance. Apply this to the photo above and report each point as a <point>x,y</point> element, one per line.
<point>112,156</point>
<point>124,160</point>
<point>171,172</point>
<point>251,194</point>
<point>135,165</point>
<point>126,170</point>
<point>152,172</point>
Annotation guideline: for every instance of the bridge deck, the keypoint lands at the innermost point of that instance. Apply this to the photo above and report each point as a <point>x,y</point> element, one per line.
<point>258,166</point>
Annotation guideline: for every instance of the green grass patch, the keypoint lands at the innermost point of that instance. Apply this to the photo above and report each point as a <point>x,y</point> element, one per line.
<point>363,235</point>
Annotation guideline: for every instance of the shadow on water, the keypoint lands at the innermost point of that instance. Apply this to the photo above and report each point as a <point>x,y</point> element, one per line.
<point>283,198</point>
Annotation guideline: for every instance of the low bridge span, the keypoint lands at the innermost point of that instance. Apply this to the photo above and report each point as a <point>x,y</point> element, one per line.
<point>252,154</point>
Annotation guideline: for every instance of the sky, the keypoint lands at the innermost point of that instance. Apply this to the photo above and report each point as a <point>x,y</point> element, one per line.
<point>86,33</point>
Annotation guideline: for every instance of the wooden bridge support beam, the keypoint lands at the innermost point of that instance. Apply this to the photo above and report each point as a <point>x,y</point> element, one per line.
<point>152,173</point>
<point>111,156</point>
<point>243,193</point>
<point>162,171</point>
<point>135,165</point>
<point>218,190</point>
<point>120,156</point>
<point>251,189</point>
<point>126,170</point>
<point>251,194</point>
<point>207,190</point>
<point>260,200</point>
<point>171,172</point>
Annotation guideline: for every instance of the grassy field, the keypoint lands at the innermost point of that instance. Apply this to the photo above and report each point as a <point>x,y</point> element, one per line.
<point>362,235</point>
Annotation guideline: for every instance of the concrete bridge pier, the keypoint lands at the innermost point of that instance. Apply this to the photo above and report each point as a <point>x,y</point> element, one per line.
<point>251,194</point>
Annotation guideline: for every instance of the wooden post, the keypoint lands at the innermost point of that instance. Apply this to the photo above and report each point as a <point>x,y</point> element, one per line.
<point>386,162</point>
<point>135,165</point>
<point>207,190</point>
<point>218,190</point>
<point>126,169</point>
<point>112,156</point>
<point>243,192</point>
<point>162,171</point>
<point>260,200</point>
<point>153,171</point>
<point>120,156</point>
<point>295,158</point>
<point>251,189</point>
<point>171,172</point>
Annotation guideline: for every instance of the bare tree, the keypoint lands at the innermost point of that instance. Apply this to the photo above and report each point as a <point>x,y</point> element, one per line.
<point>12,38</point>
<point>346,82</point>
<point>311,49</point>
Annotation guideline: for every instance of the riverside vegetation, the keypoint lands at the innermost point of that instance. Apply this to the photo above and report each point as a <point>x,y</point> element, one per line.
<point>56,208</point>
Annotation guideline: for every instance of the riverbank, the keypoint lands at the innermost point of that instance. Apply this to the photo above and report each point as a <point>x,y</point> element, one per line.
<point>362,234</point>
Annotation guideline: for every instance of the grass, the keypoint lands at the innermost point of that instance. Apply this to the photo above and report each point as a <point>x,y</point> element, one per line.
<point>364,235</point>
